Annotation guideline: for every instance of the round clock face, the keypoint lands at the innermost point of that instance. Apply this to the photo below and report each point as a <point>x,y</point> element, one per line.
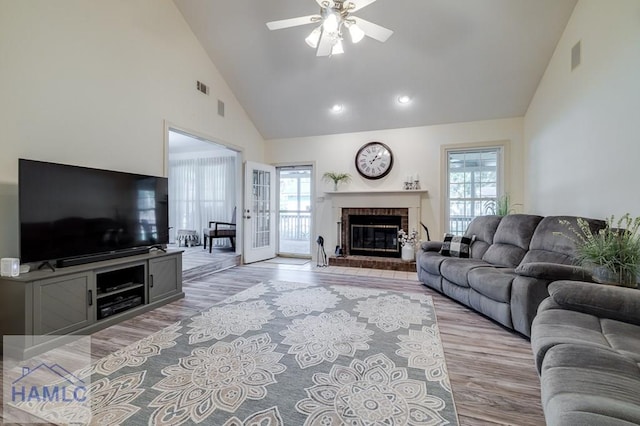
<point>374,160</point>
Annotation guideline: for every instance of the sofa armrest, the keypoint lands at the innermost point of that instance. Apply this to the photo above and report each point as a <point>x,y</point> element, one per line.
<point>604,301</point>
<point>431,246</point>
<point>554,272</point>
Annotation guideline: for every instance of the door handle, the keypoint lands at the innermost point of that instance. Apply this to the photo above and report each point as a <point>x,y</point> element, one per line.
<point>90,294</point>
<point>151,280</point>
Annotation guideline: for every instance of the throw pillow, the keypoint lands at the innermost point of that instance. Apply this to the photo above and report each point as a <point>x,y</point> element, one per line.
<point>457,246</point>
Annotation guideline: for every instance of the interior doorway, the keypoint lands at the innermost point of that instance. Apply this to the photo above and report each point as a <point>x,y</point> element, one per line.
<point>203,186</point>
<point>295,216</point>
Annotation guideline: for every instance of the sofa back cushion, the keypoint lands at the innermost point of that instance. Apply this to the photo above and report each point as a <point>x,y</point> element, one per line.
<point>553,241</point>
<point>484,228</point>
<point>511,240</point>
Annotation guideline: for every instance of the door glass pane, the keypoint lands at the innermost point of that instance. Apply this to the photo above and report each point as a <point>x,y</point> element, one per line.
<point>261,227</point>
<point>294,210</point>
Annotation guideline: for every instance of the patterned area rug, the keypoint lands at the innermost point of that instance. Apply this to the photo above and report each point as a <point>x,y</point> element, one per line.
<point>284,353</point>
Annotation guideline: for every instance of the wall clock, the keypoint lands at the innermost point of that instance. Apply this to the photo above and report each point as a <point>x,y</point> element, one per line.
<point>374,160</point>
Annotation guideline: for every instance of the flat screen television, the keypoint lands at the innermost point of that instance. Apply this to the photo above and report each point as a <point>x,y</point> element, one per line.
<point>79,214</point>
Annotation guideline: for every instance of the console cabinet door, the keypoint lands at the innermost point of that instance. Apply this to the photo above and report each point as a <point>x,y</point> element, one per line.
<point>64,304</point>
<point>164,277</point>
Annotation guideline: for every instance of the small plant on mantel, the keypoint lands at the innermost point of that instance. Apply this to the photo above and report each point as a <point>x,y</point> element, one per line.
<point>336,178</point>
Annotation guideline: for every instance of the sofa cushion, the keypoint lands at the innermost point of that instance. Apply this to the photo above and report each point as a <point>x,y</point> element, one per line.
<point>511,240</point>
<point>549,243</point>
<point>593,386</point>
<point>554,326</point>
<point>484,228</point>
<point>618,303</point>
<point>457,246</point>
<point>494,283</point>
<point>456,270</point>
<point>430,261</point>
<point>554,271</point>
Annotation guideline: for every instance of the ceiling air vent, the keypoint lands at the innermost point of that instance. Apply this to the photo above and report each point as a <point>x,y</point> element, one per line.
<point>202,87</point>
<point>575,56</point>
<point>220,108</point>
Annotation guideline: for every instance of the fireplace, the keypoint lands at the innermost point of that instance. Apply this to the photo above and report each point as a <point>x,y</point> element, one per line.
<point>373,231</point>
<point>374,235</point>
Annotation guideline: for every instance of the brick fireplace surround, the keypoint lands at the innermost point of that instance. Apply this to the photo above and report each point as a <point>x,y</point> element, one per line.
<point>367,203</point>
<point>368,211</point>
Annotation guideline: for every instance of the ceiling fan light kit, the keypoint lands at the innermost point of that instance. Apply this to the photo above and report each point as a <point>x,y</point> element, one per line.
<point>335,15</point>
<point>314,38</point>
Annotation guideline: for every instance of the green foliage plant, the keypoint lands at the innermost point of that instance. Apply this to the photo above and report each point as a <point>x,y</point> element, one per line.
<point>336,178</point>
<point>501,206</point>
<point>616,247</point>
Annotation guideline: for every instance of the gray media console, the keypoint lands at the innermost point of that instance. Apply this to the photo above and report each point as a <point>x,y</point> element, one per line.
<point>82,299</point>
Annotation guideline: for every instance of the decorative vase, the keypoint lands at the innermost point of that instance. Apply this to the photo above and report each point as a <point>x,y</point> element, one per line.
<point>604,275</point>
<point>335,186</point>
<point>408,253</point>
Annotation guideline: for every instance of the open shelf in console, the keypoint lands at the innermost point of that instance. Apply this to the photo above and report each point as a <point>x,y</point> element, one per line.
<point>119,290</point>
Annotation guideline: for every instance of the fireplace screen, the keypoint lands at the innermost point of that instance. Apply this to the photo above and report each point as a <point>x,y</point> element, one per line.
<point>374,235</point>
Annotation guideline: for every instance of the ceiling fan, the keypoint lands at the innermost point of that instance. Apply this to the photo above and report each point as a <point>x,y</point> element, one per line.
<point>335,15</point>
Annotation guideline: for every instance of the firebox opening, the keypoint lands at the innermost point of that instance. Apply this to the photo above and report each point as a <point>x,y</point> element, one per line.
<point>374,235</point>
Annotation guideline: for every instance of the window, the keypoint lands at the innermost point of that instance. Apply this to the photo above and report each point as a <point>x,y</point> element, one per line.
<point>474,180</point>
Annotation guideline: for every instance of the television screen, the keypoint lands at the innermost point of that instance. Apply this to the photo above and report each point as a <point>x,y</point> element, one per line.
<point>70,211</point>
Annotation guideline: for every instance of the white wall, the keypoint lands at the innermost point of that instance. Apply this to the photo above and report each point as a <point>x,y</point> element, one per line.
<point>92,82</point>
<point>416,150</point>
<point>582,128</point>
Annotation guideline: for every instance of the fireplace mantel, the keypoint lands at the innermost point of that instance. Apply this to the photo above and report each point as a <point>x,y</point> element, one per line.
<point>377,198</point>
<point>378,191</point>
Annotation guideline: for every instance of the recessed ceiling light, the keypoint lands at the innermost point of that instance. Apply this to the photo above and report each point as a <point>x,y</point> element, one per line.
<point>337,108</point>
<point>404,99</point>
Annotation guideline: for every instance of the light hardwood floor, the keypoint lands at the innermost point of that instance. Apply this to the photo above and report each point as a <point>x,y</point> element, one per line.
<point>491,369</point>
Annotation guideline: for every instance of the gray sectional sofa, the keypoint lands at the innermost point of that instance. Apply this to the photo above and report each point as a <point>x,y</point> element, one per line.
<point>513,259</point>
<point>586,341</point>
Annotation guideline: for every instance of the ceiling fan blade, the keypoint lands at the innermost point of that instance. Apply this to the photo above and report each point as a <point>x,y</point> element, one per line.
<point>325,45</point>
<point>372,30</point>
<point>293,22</point>
<point>359,4</point>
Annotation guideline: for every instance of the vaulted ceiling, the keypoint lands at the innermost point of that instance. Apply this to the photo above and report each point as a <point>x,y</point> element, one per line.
<point>458,60</point>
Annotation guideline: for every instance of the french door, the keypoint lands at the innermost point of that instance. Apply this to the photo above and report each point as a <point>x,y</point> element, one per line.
<point>259,212</point>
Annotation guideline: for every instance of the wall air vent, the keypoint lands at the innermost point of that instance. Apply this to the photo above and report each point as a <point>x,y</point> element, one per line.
<point>576,55</point>
<point>202,87</point>
<point>220,108</point>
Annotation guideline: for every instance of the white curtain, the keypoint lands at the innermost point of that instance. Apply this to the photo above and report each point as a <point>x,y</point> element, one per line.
<point>201,190</point>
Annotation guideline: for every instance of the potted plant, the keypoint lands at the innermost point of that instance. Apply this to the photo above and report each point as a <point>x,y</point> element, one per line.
<point>501,206</point>
<point>612,253</point>
<point>336,178</point>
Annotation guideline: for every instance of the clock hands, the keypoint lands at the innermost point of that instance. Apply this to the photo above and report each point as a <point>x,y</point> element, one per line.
<point>375,158</point>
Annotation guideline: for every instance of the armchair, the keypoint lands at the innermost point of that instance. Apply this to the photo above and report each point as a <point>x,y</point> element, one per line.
<point>219,229</point>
